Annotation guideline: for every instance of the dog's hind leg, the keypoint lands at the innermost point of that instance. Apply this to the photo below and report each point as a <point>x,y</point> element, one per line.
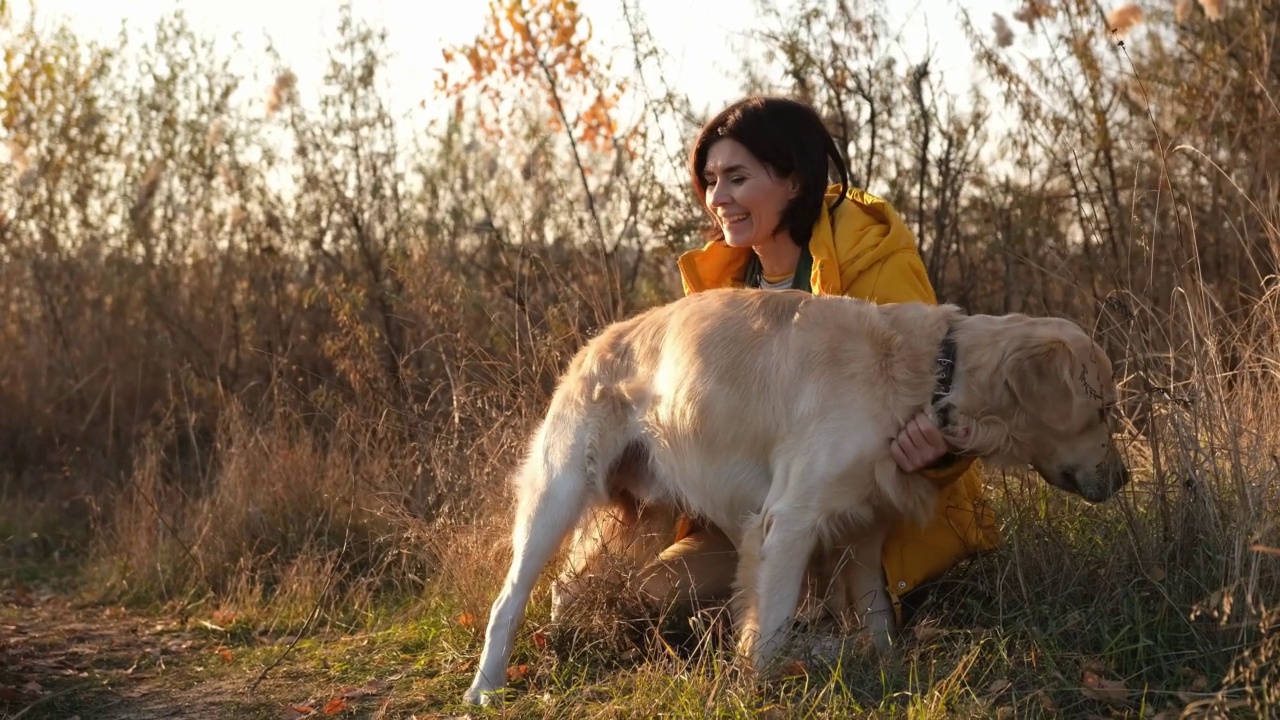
<point>554,486</point>
<point>870,599</point>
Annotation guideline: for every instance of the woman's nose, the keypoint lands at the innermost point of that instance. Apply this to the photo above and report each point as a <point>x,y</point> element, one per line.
<point>719,195</point>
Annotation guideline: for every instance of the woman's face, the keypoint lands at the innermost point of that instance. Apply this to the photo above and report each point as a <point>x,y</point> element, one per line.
<point>745,195</point>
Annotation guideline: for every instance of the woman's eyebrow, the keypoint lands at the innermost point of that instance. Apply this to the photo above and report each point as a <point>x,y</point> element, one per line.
<point>728,169</point>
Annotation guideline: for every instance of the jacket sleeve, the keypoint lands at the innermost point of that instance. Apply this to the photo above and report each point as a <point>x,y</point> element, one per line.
<point>901,277</point>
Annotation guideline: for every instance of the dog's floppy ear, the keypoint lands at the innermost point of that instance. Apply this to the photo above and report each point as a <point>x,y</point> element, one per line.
<point>1039,376</point>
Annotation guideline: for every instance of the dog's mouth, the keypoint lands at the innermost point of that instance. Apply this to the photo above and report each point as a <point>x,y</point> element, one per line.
<point>1072,480</point>
<point>1063,479</point>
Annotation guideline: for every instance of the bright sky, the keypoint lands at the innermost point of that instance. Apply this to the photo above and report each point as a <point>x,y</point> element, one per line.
<point>699,36</point>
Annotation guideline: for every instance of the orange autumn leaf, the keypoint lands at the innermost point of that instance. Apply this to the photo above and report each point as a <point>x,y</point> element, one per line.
<point>517,672</point>
<point>373,687</point>
<point>794,668</point>
<point>335,706</point>
<point>542,44</point>
<point>226,655</point>
<point>540,640</point>
<point>467,620</point>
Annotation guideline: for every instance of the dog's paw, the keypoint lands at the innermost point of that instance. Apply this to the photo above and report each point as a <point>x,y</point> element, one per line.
<point>477,695</point>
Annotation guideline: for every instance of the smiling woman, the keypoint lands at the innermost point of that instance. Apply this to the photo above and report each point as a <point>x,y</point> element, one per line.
<point>747,200</point>
<point>763,171</point>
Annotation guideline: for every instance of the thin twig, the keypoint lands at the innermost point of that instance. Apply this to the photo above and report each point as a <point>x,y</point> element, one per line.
<point>51,696</point>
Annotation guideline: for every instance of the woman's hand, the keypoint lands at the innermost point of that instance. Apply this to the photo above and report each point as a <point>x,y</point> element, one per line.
<point>919,444</point>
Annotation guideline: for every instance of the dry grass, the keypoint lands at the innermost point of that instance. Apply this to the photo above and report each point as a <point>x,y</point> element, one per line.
<point>298,409</point>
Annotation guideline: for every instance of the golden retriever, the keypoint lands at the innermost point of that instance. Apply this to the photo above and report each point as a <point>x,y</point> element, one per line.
<point>769,414</point>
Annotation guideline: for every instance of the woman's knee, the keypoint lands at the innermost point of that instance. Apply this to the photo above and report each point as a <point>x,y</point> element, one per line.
<point>696,570</point>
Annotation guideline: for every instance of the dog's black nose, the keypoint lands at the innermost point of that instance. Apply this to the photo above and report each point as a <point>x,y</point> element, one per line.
<point>1070,480</point>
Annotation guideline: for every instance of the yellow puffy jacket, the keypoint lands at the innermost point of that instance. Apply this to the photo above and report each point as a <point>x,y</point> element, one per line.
<point>871,254</point>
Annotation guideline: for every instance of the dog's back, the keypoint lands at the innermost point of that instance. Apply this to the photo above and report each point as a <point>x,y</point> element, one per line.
<point>712,389</point>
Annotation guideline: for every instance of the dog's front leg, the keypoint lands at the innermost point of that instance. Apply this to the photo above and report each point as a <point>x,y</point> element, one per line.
<point>776,548</point>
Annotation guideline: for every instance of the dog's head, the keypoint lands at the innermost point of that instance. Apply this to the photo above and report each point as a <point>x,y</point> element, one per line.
<point>1061,384</point>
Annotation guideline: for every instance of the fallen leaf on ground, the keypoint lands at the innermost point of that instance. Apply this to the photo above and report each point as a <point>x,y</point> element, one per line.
<point>295,712</point>
<point>517,672</point>
<point>225,654</point>
<point>793,668</point>
<point>540,640</point>
<point>999,686</point>
<point>373,687</point>
<point>926,634</point>
<point>467,620</point>
<point>335,706</point>
<point>1097,687</point>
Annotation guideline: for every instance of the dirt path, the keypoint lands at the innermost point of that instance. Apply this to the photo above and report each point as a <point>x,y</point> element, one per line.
<point>62,661</point>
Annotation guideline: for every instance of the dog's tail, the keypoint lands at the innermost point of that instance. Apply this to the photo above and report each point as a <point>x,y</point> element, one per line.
<point>584,432</point>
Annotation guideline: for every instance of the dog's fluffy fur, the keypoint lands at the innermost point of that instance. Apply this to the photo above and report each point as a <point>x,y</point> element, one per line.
<point>769,414</point>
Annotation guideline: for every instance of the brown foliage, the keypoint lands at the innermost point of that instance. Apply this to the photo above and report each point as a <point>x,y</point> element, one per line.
<point>289,357</point>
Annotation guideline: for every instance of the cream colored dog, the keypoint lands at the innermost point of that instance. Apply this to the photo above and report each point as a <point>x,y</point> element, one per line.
<point>769,414</point>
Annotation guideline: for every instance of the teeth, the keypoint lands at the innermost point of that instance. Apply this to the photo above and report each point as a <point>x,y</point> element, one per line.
<point>736,218</point>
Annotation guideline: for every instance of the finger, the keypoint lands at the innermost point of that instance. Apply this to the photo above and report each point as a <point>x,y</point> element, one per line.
<point>904,462</point>
<point>935,442</point>
<point>931,436</point>
<point>916,433</point>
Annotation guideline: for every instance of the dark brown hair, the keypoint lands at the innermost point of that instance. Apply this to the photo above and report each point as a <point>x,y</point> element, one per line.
<point>788,136</point>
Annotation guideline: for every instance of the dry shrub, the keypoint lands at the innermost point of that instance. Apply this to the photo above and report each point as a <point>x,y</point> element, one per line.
<point>313,398</point>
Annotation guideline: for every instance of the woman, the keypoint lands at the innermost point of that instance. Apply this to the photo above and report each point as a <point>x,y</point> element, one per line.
<point>761,170</point>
